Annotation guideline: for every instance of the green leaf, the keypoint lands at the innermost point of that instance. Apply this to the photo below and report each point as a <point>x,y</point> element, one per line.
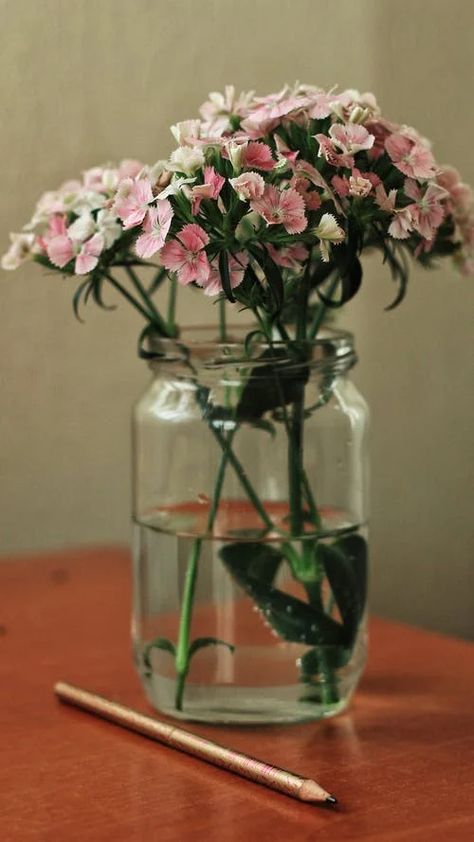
<point>355,548</point>
<point>202,642</point>
<point>225,276</point>
<point>159,643</point>
<point>345,563</point>
<point>272,385</point>
<point>254,567</point>
<point>76,300</point>
<point>252,559</point>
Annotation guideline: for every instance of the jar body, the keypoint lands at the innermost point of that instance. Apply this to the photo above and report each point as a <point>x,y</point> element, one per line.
<point>250,536</point>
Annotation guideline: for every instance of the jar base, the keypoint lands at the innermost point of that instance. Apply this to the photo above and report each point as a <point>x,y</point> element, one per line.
<point>245,705</point>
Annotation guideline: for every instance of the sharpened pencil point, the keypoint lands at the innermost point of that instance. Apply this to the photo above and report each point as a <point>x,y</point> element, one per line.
<point>331,799</point>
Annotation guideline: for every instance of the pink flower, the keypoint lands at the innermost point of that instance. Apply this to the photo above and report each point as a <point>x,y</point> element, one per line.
<point>156,226</point>
<point>213,183</point>
<point>213,284</point>
<point>258,156</point>
<point>186,256</point>
<point>351,138</point>
<point>249,185</point>
<point>290,258</point>
<point>341,185</point>
<point>411,157</point>
<point>311,198</point>
<point>133,199</point>
<point>427,213</point>
<point>285,207</point>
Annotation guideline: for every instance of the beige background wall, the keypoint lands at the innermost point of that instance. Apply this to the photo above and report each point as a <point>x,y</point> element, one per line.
<point>94,80</point>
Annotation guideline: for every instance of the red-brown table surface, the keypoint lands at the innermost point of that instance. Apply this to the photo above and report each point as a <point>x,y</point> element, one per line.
<point>400,761</point>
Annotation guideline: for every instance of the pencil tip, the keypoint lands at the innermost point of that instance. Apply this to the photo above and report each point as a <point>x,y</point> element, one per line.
<point>331,799</point>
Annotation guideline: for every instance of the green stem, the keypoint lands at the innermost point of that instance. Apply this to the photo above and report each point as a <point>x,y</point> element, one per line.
<point>155,316</point>
<point>247,486</point>
<point>295,468</point>
<point>222,321</point>
<point>182,646</point>
<point>171,317</point>
<point>138,306</point>
<point>320,312</point>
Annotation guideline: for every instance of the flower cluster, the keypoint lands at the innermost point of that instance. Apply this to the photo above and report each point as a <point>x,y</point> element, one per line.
<point>301,177</point>
<point>74,225</point>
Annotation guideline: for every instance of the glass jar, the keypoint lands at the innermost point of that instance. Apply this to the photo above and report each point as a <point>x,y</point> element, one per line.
<point>250,541</point>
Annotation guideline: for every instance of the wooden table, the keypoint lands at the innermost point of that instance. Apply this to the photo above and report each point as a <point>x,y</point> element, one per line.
<point>400,762</point>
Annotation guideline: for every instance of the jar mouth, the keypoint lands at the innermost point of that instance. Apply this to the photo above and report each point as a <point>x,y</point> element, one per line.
<point>201,347</point>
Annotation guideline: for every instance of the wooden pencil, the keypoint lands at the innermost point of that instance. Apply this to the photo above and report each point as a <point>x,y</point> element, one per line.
<point>232,761</point>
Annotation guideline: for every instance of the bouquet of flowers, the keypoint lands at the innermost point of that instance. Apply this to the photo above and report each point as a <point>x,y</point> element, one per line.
<point>266,203</point>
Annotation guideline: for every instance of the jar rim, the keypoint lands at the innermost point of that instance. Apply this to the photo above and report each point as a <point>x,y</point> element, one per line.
<point>333,347</point>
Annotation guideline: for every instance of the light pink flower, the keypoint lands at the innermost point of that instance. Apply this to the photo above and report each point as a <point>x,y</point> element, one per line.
<point>129,168</point>
<point>283,150</point>
<point>402,225</point>
<point>412,158</point>
<point>156,226</point>
<point>285,207</point>
<point>61,250</point>
<point>19,251</point>
<point>213,183</point>
<point>248,186</point>
<point>384,201</point>
<point>258,156</point>
<point>88,255</point>
<point>321,105</point>
<point>290,257</point>
<point>351,138</point>
<point>213,284</point>
<point>359,185</point>
<point>427,213</point>
<point>186,256</point>
<point>328,150</point>
<point>460,199</point>
<point>133,199</point>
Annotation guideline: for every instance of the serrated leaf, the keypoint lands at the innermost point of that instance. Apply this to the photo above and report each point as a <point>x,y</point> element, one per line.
<point>160,643</point>
<point>343,563</point>
<point>254,567</point>
<point>202,642</point>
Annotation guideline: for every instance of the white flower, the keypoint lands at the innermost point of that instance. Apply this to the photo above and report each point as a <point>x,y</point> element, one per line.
<point>20,250</point>
<point>328,231</point>
<point>175,187</point>
<point>187,131</point>
<point>82,228</point>
<point>108,226</point>
<point>236,150</point>
<point>186,159</point>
